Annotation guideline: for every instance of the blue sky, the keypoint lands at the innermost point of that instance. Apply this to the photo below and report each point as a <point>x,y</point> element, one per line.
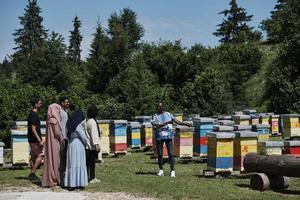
<point>192,21</point>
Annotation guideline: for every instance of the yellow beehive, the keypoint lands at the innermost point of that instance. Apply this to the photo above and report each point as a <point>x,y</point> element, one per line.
<point>179,116</point>
<point>104,127</point>
<point>104,140</point>
<point>254,119</point>
<point>146,135</point>
<point>264,119</point>
<point>274,124</point>
<point>241,119</point>
<point>20,147</point>
<point>220,151</point>
<point>291,125</point>
<point>244,142</point>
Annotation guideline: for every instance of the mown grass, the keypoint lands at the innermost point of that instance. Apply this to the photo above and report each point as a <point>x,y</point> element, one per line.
<point>135,174</point>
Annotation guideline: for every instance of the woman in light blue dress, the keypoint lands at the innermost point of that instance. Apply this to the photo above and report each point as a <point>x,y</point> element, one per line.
<point>76,173</point>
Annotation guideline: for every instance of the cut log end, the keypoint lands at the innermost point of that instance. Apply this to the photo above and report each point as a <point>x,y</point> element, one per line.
<point>259,181</point>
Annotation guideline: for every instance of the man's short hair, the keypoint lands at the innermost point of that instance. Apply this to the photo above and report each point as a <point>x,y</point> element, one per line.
<point>62,99</point>
<point>34,100</point>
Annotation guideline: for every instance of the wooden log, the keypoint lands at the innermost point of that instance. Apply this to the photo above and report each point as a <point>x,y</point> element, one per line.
<point>279,183</point>
<point>259,181</point>
<point>275,165</point>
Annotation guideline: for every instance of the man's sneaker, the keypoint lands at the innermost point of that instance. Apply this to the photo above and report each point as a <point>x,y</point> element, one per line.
<point>160,172</point>
<point>33,177</point>
<point>95,181</point>
<point>173,174</point>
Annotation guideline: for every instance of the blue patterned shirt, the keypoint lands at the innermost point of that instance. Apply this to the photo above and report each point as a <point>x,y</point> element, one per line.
<point>166,131</point>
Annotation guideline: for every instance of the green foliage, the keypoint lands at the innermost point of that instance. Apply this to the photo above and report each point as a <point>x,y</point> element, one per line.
<point>283,80</point>
<point>209,93</point>
<point>75,41</point>
<point>6,69</point>
<point>284,23</point>
<point>135,87</point>
<point>234,28</point>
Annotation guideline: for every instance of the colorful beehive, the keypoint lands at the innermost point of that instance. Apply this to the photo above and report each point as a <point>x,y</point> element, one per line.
<point>147,135</point>
<point>249,112</point>
<point>264,119</point>
<point>274,124</point>
<point>220,151</point>
<point>134,135</point>
<point>244,142</point>
<point>179,116</point>
<point>255,119</point>
<point>1,153</point>
<point>104,140</point>
<point>263,131</point>
<point>292,147</point>
<point>270,147</point>
<point>202,127</point>
<point>291,125</point>
<point>222,128</point>
<point>143,119</point>
<point>118,136</point>
<point>242,127</point>
<point>183,142</point>
<point>241,119</point>
<point>226,122</point>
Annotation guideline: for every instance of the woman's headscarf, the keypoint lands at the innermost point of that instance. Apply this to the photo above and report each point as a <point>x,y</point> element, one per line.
<point>53,114</point>
<point>75,119</point>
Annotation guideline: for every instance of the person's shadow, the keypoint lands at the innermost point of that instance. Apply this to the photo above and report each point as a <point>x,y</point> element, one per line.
<point>38,183</point>
<point>145,173</point>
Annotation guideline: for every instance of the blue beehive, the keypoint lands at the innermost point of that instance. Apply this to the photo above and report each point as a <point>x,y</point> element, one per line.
<point>202,127</point>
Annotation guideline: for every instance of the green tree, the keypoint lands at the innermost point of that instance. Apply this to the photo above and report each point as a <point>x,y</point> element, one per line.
<point>6,69</point>
<point>234,28</point>
<point>75,42</point>
<point>136,88</point>
<point>125,34</point>
<point>98,61</point>
<point>284,22</point>
<point>32,33</point>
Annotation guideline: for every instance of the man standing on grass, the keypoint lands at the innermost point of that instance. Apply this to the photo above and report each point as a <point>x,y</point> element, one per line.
<point>64,103</point>
<point>35,139</point>
<point>162,123</point>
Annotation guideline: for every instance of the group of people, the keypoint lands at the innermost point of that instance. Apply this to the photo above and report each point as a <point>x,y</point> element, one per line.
<point>71,146</point>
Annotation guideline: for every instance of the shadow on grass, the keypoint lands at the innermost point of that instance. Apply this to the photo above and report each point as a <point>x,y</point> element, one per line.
<point>243,185</point>
<point>145,173</point>
<point>292,192</point>
<point>38,183</point>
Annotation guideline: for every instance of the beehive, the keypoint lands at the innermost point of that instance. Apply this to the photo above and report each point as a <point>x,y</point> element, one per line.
<point>244,142</point>
<point>270,147</point>
<point>263,131</point>
<point>292,147</point>
<point>202,127</point>
<point>179,116</point>
<point>220,151</point>
<point>242,127</point>
<point>143,119</point>
<point>118,136</point>
<point>255,119</point>
<point>134,135</point>
<point>1,153</point>
<point>191,116</point>
<point>147,135</point>
<point>291,125</point>
<point>249,112</point>
<point>274,124</point>
<point>183,142</point>
<point>104,140</point>
<point>264,119</point>
<point>241,119</point>
<point>226,122</point>
<point>222,128</point>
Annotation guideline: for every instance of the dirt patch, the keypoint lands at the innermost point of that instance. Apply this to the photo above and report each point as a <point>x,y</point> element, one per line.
<point>38,193</point>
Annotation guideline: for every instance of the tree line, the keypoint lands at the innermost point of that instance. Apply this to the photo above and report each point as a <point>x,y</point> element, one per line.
<point>124,76</point>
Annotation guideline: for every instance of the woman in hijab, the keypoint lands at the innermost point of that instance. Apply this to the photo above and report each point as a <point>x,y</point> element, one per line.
<point>54,137</point>
<point>76,173</point>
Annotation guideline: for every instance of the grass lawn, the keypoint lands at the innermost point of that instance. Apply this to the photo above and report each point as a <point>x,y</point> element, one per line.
<point>135,174</point>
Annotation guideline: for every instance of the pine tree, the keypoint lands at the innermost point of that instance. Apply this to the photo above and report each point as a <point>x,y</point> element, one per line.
<point>75,41</point>
<point>98,61</point>
<point>32,33</point>
<point>234,28</point>
<point>6,69</point>
<point>284,23</point>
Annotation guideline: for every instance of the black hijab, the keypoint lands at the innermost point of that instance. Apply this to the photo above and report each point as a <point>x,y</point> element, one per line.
<point>74,120</point>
